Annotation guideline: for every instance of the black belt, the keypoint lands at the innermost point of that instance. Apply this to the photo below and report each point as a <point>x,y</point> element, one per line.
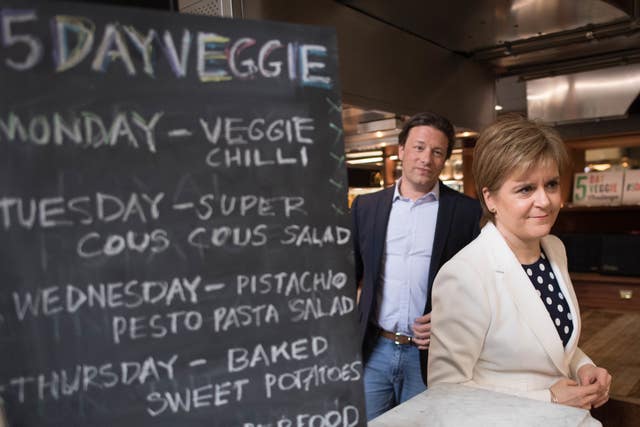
<point>396,337</point>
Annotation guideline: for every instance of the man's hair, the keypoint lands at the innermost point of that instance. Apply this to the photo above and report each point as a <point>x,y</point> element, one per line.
<point>513,143</point>
<point>429,119</point>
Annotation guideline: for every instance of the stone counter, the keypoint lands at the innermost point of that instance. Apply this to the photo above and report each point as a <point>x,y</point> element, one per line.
<point>452,405</point>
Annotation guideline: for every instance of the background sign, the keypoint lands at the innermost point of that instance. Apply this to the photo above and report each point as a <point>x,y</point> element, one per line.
<point>597,188</point>
<point>631,189</point>
<point>174,237</point>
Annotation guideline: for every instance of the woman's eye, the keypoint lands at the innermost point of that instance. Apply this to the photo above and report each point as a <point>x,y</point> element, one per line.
<point>552,185</point>
<point>525,190</point>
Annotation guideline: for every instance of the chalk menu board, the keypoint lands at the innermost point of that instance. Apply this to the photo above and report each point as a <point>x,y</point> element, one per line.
<point>174,235</point>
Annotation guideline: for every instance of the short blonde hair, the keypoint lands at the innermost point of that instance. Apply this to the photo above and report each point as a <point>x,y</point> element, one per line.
<point>510,144</point>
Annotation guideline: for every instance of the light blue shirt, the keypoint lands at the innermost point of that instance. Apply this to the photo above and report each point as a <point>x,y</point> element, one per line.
<point>403,290</point>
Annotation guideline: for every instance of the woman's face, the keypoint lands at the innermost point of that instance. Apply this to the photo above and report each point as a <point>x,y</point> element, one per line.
<point>527,203</point>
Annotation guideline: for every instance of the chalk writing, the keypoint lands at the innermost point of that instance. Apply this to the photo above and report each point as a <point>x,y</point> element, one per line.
<point>237,131</point>
<point>174,234</point>
<point>191,399</point>
<point>155,326</point>
<point>310,377</point>
<point>131,294</point>
<point>239,358</point>
<point>57,211</point>
<point>218,58</point>
<point>84,129</point>
<point>226,318</point>
<point>290,283</point>
<point>83,378</point>
<point>349,416</point>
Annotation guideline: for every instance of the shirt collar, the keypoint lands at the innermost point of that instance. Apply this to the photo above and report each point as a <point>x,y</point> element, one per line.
<point>433,195</point>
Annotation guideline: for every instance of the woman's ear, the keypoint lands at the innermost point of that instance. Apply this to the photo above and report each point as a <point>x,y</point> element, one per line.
<point>486,195</point>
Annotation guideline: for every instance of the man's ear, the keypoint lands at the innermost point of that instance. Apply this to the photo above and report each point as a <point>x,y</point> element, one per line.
<point>400,152</point>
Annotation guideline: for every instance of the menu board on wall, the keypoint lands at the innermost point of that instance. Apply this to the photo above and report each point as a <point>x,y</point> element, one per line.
<point>174,235</point>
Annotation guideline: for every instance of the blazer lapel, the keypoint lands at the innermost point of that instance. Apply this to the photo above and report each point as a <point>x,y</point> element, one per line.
<point>559,266</point>
<point>446,206</point>
<point>511,278</point>
<point>379,232</point>
<point>443,223</point>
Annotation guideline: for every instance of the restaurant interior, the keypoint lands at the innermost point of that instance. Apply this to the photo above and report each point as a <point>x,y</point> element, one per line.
<point>573,64</point>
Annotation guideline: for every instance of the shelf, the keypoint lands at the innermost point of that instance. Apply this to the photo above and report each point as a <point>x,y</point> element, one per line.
<point>598,220</point>
<point>610,292</point>
<point>604,278</point>
<point>618,208</point>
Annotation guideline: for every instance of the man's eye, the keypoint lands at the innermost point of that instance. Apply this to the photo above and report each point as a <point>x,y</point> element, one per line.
<point>438,153</point>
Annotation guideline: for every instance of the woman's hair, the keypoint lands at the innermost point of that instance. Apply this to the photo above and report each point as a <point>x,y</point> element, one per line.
<point>513,143</point>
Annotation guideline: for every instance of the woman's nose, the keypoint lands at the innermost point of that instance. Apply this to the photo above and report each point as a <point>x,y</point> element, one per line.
<point>542,198</point>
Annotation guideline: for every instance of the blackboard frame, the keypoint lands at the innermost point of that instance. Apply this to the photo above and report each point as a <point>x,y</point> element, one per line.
<point>174,225</point>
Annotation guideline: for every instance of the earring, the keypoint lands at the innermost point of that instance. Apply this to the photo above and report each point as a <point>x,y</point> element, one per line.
<point>493,211</point>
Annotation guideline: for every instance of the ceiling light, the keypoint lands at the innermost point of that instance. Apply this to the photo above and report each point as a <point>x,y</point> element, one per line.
<point>600,167</point>
<point>359,154</point>
<point>498,107</point>
<point>466,134</point>
<point>365,160</point>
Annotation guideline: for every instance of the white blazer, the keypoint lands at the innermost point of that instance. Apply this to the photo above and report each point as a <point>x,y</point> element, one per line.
<point>490,329</point>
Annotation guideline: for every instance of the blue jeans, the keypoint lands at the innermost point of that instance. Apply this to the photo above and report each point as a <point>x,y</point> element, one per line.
<point>391,376</point>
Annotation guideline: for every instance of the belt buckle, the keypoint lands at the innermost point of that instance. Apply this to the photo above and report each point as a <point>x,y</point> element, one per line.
<point>397,337</point>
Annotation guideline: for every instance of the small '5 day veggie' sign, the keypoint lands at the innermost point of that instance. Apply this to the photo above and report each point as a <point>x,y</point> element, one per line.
<point>597,188</point>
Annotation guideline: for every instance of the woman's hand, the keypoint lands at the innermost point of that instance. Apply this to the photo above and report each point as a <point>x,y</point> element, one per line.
<point>590,374</point>
<point>568,392</point>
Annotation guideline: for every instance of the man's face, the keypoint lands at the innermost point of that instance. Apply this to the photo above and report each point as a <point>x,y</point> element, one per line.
<point>423,156</point>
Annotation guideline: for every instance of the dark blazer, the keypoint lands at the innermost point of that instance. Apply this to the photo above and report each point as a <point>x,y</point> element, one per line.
<point>458,223</point>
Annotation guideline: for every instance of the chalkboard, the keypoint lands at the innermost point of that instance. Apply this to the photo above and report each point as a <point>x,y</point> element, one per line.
<point>174,235</point>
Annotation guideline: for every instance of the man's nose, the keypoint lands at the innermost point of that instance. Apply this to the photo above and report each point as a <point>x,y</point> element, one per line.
<point>426,157</point>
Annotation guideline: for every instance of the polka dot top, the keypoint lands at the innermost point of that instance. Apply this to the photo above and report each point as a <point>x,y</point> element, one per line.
<point>551,295</point>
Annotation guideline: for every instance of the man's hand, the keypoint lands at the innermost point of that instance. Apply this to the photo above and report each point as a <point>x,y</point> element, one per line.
<point>422,331</point>
<point>590,374</point>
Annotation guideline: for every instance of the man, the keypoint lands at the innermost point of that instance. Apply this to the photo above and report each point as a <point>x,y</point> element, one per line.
<point>402,235</point>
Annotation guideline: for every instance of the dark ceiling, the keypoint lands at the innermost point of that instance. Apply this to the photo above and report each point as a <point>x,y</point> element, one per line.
<point>524,38</point>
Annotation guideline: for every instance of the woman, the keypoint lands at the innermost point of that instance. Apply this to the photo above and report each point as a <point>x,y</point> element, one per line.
<point>505,316</point>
